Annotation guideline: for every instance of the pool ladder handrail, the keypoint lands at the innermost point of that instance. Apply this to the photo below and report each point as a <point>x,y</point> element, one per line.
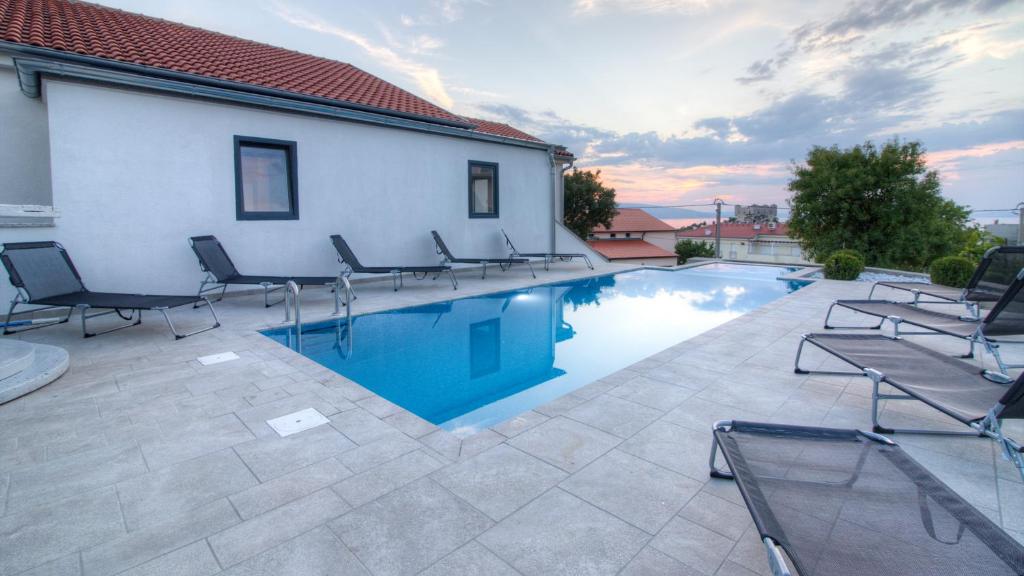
<point>292,299</point>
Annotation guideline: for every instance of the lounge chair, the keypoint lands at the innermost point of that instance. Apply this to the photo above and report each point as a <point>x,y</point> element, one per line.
<point>547,256</point>
<point>1006,318</point>
<point>837,502</point>
<point>221,272</point>
<point>994,273</point>
<point>962,391</point>
<point>503,263</point>
<point>43,275</point>
<point>348,259</point>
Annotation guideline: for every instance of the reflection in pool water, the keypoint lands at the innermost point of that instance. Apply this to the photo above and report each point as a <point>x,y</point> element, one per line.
<point>475,362</point>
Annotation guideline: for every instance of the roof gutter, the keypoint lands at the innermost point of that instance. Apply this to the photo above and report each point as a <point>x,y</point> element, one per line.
<point>61,64</point>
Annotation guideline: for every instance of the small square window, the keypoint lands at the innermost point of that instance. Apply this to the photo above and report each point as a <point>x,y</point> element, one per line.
<point>483,190</point>
<point>265,179</point>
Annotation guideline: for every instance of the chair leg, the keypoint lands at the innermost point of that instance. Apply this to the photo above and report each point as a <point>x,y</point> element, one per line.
<point>532,273</point>
<point>451,275</point>
<point>483,274</point>
<point>32,325</point>
<point>179,336</point>
<point>84,310</point>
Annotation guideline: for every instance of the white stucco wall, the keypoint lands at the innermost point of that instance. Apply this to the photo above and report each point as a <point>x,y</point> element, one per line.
<point>136,173</point>
<point>24,146</point>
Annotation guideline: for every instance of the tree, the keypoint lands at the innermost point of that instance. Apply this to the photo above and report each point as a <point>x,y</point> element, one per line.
<point>977,241</point>
<point>588,203</point>
<point>884,203</point>
<point>686,249</point>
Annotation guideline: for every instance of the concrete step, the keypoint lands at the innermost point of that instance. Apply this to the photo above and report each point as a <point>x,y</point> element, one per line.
<point>15,356</point>
<point>48,364</point>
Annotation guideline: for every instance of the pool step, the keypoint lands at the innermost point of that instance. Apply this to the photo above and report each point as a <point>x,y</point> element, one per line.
<point>25,367</point>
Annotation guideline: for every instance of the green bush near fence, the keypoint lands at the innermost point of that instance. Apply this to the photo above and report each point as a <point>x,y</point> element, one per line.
<point>955,271</point>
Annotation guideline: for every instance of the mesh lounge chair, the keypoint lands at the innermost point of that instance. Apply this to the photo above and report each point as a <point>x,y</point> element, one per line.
<point>848,503</point>
<point>43,274</point>
<point>348,259</point>
<point>997,269</point>
<point>960,390</point>
<point>503,263</point>
<point>1006,318</point>
<point>221,272</point>
<point>547,256</point>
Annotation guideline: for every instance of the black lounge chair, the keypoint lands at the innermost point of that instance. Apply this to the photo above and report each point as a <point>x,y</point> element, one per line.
<point>43,274</point>
<point>993,275</point>
<point>221,272</point>
<point>503,263</point>
<point>348,259</point>
<point>547,256</point>
<point>1006,318</point>
<point>837,502</point>
<point>962,391</point>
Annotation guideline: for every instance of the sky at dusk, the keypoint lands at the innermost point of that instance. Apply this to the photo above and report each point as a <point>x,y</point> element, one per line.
<point>680,101</point>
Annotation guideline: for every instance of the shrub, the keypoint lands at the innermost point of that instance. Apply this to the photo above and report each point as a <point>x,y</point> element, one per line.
<point>843,265</point>
<point>854,253</point>
<point>953,271</point>
<point>686,249</point>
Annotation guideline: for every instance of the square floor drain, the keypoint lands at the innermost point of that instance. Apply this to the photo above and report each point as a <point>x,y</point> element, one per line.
<point>217,358</point>
<point>297,422</point>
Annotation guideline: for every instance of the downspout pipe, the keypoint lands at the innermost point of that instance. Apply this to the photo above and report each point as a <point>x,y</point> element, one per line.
<point>556,176</point>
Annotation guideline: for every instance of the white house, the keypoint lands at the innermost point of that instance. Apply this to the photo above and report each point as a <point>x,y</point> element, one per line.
<point>767,242</point>
<point>636,237</point>
<point>122,135</point>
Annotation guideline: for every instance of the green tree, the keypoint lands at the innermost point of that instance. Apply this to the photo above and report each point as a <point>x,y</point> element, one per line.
<point>686,249</point>
<point>977,241</point>
<point>588,203</point>
<point>884,203</point>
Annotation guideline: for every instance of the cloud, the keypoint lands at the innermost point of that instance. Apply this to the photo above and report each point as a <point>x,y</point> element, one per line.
<point>858,20</point>
<point>597,7</point>
<point>428,79</point>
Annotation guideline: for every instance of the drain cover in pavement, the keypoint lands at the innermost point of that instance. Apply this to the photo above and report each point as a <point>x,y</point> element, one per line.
<point>297,422</point>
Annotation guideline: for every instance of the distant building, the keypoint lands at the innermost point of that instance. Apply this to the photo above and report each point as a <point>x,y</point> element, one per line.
<point>637,237</point>
<point>768,242</point>
<point>1008,232</point>
<point>757,213</point>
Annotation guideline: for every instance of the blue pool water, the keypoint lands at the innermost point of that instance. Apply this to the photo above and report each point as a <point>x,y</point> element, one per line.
<point>474,362</point>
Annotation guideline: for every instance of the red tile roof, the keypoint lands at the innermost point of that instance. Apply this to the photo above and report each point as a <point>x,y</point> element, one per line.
<point>629,249</point>
<point>635,220</point>
<point>102,32</point>
<point>499,129</point>
<point>736,230</point>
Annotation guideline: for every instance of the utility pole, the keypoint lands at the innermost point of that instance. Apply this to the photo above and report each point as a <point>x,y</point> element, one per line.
<point>718,228</point>
<point>1020,225</point>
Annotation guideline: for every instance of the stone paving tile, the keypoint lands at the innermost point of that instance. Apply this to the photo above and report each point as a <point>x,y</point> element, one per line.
<point>378,406</point>
<point>519,424</point>
<point>453,448</point>
<point>410,528</point>
<point>4,482</point>
<point>470,560</point>
<point>645,495</point>
<point>652,393</point>
<point>360,426</point>
<point>264,396</point>
<point>749,553</point>
<point>272,457</point>
<point>500,480</point>
<point>175,531</point>
<point>292,486</point>
<point>194,439</point>
<point>730,568</point>
<point>651,562</point>
<point>614,415</point>
<point>376,482</point>
<point>196,559</point>
<point>315,553</point>
<point>180,487</point>
<point>410,423</point>
<point>676,448</point>
<point>568,444</point>
<point>72,475</point>
<point>281,524</point>
<point>561,534</point>
<point>560,406</point>
<point>693,545</point>
<point>381,450</point>
<point>70,565</point>
<point>717,514</point>
<point>41,535</point>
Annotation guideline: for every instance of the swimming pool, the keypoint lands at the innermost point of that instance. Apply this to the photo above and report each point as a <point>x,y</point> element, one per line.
<point>474,362</point>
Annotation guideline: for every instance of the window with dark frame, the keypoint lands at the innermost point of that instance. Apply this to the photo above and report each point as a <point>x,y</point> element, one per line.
<point>265,179</point>
<point>483,189</point>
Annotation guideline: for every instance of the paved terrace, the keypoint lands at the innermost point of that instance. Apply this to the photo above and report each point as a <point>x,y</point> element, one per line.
<point>142,461</point>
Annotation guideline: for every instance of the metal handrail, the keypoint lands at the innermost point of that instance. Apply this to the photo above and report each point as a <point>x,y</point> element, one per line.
<point>292,290</point>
